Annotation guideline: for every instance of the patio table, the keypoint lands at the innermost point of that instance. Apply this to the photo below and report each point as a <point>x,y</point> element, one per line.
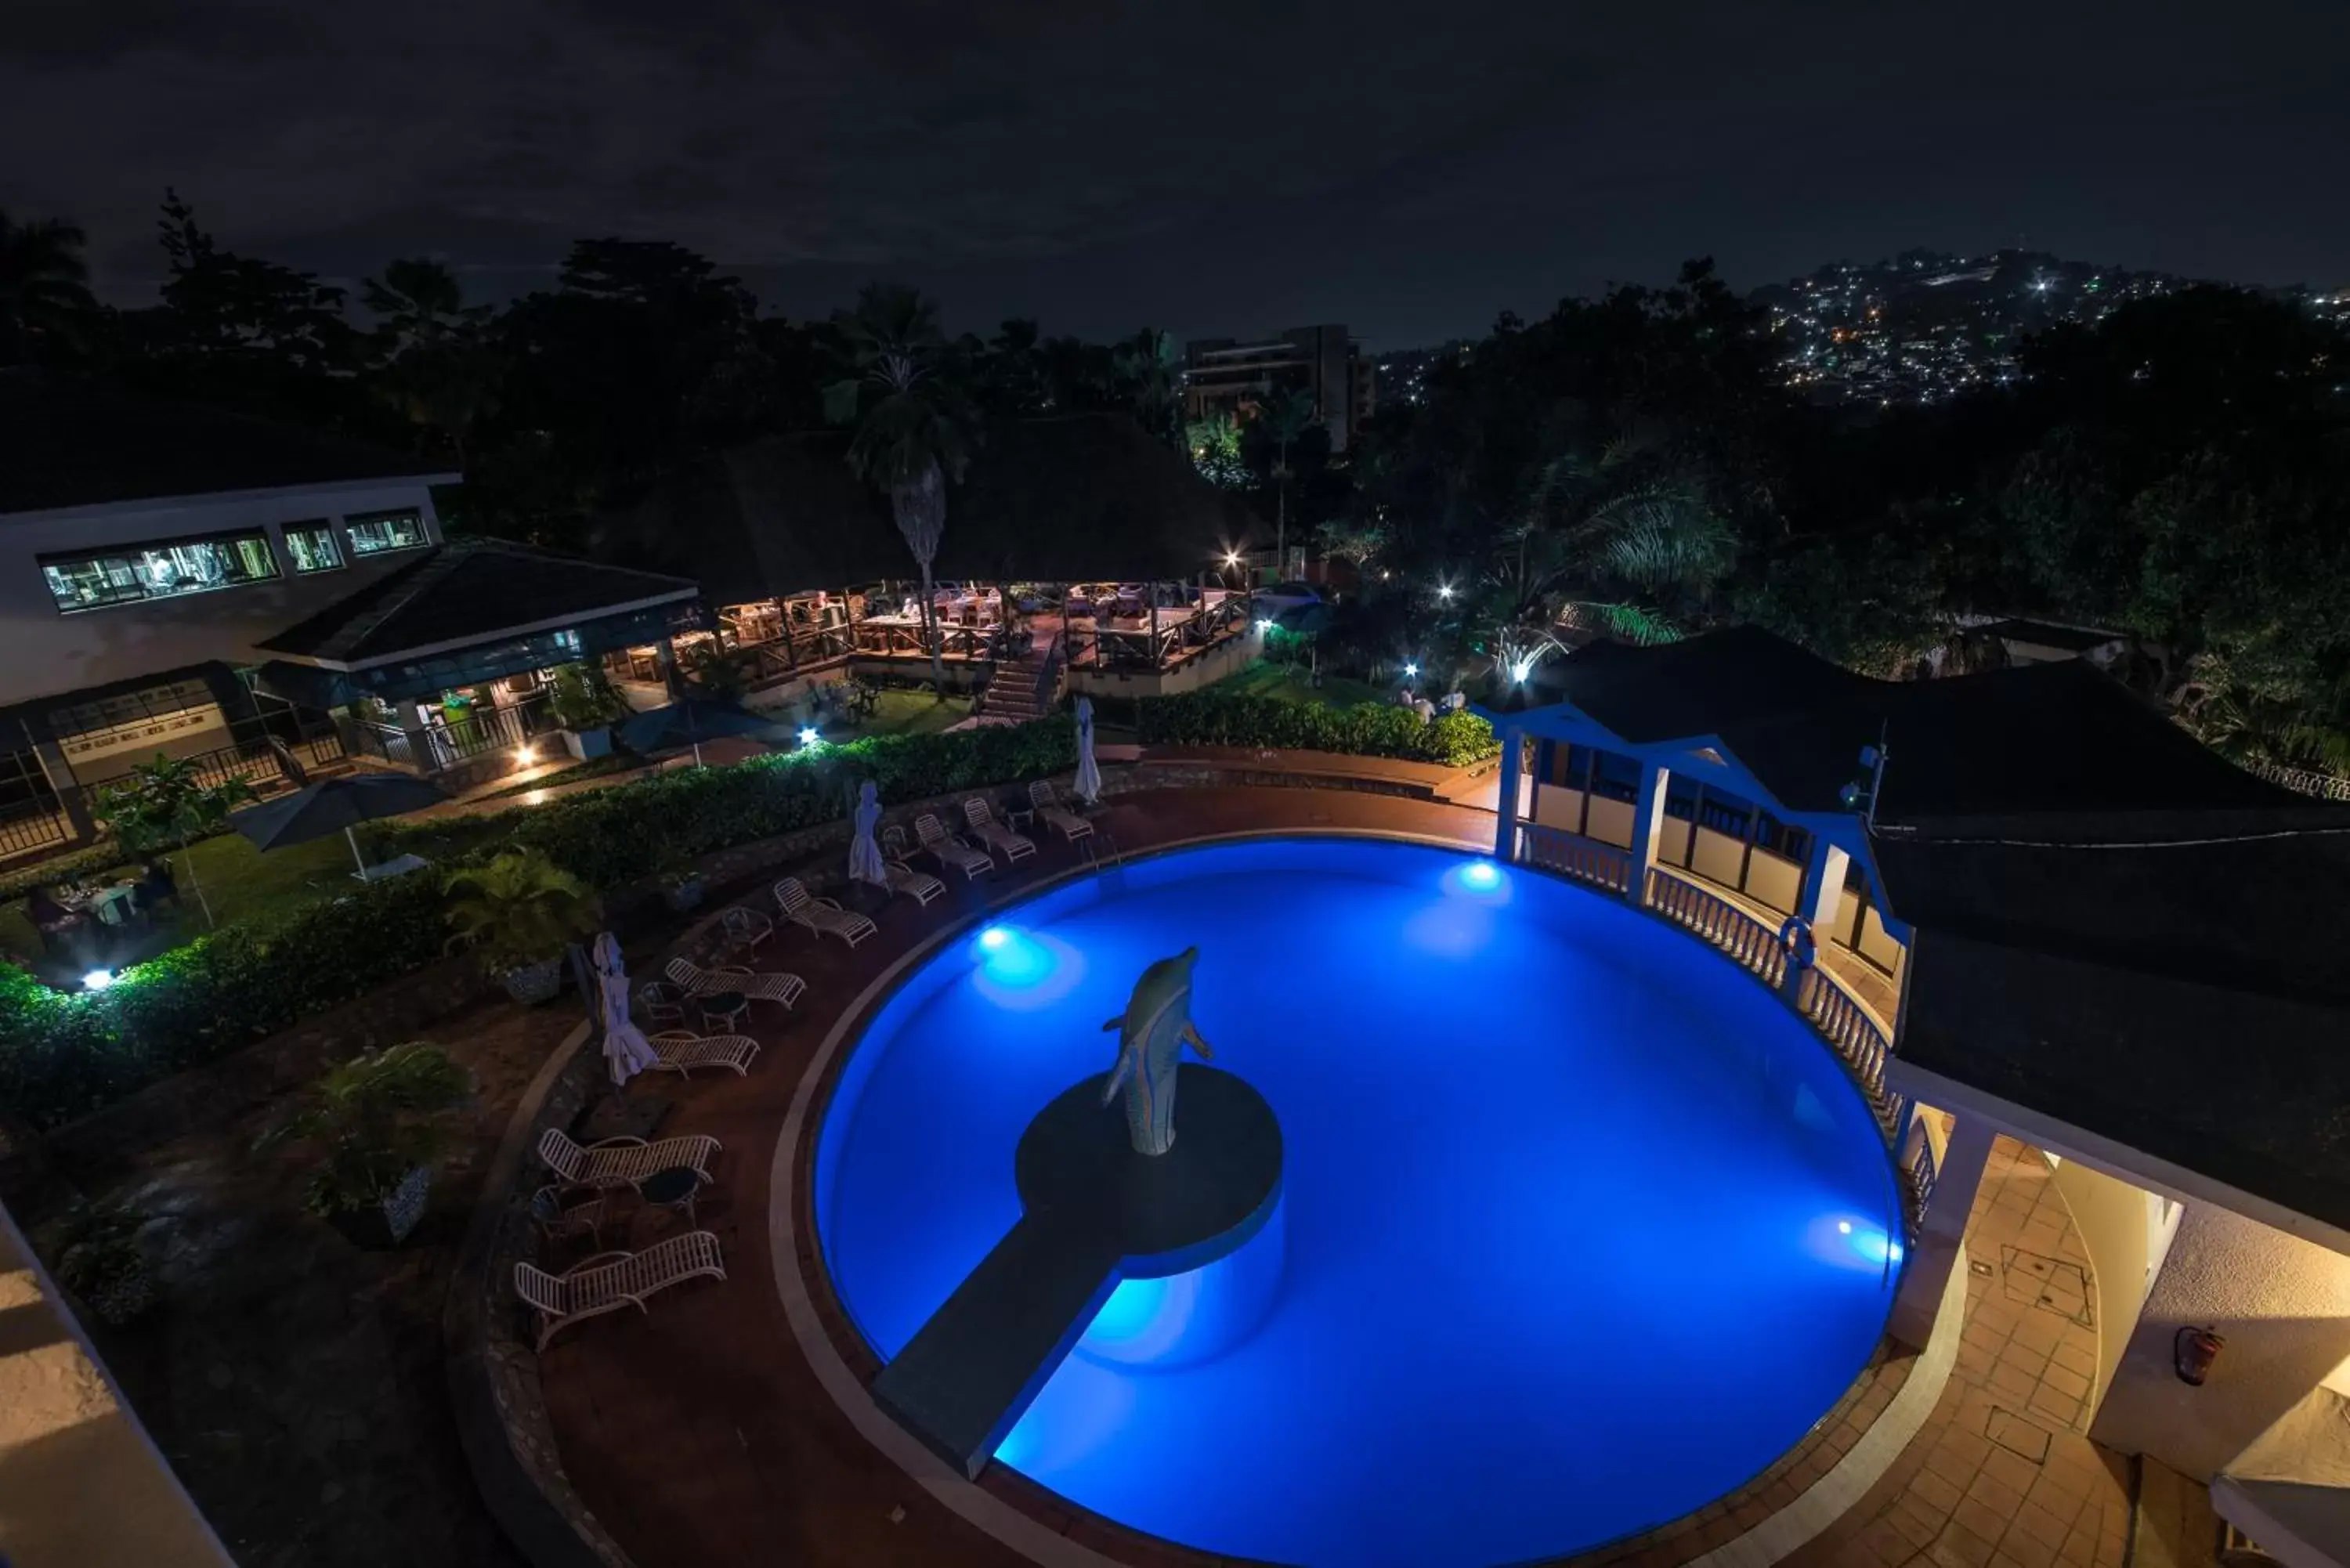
<point>674,1189</point>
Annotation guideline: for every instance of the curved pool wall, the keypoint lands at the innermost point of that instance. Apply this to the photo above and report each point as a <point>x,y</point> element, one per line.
<point>1580,1227</point>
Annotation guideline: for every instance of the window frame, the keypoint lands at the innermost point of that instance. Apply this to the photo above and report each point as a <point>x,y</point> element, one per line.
<point>326,529</point>
<point>138,592</point>
<point>352,522</point>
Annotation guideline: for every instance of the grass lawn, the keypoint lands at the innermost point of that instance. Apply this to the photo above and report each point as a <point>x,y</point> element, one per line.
<point>910,713</point>
<point>1265,679</point>
<point>242,883</point>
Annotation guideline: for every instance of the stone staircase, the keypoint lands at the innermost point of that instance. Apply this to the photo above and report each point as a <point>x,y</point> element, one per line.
<point>1026,688</point>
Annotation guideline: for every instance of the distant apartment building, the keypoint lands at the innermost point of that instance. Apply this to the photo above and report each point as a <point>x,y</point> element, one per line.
<point>1224,375</point>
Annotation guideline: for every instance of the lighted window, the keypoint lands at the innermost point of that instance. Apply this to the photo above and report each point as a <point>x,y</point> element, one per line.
<point>312,546</point>
<point>158,571</point>
<point>377,532</point>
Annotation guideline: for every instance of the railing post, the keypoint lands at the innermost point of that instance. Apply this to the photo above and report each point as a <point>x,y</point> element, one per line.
<point>1823,896</point>
<point>1647,823</point>
<point>1506,804</point>
<point>1941,1230</point>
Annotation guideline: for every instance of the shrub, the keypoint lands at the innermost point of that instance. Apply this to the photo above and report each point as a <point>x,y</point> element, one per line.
<point>610,837</point>
<point>369,1122</point>
<point>64,1054</point>
<point>520,909</point>
<point>1213,718</point>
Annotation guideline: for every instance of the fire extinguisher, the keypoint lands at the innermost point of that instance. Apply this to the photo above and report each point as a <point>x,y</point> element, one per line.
<point>2193,1351</point>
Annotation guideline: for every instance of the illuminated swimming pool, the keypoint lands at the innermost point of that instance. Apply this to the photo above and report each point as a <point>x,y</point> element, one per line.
<point>1580,1228</point>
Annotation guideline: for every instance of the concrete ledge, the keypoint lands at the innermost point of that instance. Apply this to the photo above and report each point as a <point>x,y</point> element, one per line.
<point>1827,1499</point>
<point>493,1388</point>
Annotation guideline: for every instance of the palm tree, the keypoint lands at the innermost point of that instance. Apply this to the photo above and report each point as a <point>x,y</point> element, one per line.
<point>1287,416</point>
<point>419,302</point>
<point>438,370</point>
<point>1597,542</point>
<point>44,286</point>
<point>1146,363</point>
<point>915,435</point>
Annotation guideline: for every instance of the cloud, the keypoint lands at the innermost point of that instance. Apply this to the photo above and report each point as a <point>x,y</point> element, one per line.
<point>768,135</point>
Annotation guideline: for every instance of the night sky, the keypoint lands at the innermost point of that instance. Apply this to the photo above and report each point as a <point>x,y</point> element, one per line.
<point>1211,168</point>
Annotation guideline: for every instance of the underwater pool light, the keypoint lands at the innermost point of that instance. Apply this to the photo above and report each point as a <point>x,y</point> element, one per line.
<point>1481,874</point>
<point>994,937</point>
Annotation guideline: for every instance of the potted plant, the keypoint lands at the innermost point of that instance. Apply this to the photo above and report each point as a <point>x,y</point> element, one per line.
<point>518,912</point>
<point>94,1252</point>
<point>374,1124</point>
<point>584,703</point>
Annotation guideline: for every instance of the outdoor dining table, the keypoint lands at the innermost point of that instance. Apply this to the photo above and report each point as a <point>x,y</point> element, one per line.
<point>112,905</point>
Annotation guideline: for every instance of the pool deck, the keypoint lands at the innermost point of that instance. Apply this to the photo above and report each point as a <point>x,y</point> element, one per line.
<point>699,1433</point>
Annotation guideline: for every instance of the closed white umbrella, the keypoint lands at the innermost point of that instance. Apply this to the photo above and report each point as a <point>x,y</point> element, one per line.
<point>864,849</point>
<point>1088,782</point>
<point>626,1049</point>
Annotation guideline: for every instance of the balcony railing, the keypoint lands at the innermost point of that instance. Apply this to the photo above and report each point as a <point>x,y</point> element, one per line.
<point>1844,1023</point>
<point>25,829</point>
<point>1572,855</point>
<point>1720,922</point>
<point>1839,1019</point>
<point>260,760</point>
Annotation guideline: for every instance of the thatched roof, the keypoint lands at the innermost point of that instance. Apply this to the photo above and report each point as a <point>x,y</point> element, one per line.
<point>1080,498</point>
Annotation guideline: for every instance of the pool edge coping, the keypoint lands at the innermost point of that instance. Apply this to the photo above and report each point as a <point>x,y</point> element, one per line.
<point>1007,1525</point>
<point>1786,1529</point>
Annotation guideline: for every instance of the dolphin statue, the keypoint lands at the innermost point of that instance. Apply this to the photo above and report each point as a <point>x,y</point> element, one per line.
<point>1152,1032</point>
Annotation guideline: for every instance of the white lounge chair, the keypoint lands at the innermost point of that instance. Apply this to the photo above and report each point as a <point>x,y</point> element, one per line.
<point>680,1051</point>
<point>698,981</point>
<point>949,850</point>
<point>1016,847</point>
<point>1050,810</point>
<point>919,885</point>
<point>821,915</point>
<point>623,1161</point>
<point>746,928</point>
<point>610,1281</point>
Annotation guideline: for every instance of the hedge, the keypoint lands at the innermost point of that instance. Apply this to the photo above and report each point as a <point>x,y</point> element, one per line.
<point>1212,718</point>
<point>64,1054</point>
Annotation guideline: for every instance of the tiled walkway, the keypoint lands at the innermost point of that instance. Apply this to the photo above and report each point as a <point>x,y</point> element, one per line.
<point>699,1435</point>
<point>2001,1476</point>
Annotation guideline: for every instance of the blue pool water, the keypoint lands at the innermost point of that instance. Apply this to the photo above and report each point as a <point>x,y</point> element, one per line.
<point>1579,1230</point>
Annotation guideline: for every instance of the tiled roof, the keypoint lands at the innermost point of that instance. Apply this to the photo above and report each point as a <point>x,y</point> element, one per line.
<point>465,591</point>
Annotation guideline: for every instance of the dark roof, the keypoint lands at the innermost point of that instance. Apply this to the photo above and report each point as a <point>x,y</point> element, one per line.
<point>2252,899</point>
<point>2244,1087</point>
<point>2186,999</point>
<point>465,590</point>
<point>1700,686</point>
<point>1083,497</point>
<point>2049,634</point>
<point>2055,737</point>
<point>66,443</point>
